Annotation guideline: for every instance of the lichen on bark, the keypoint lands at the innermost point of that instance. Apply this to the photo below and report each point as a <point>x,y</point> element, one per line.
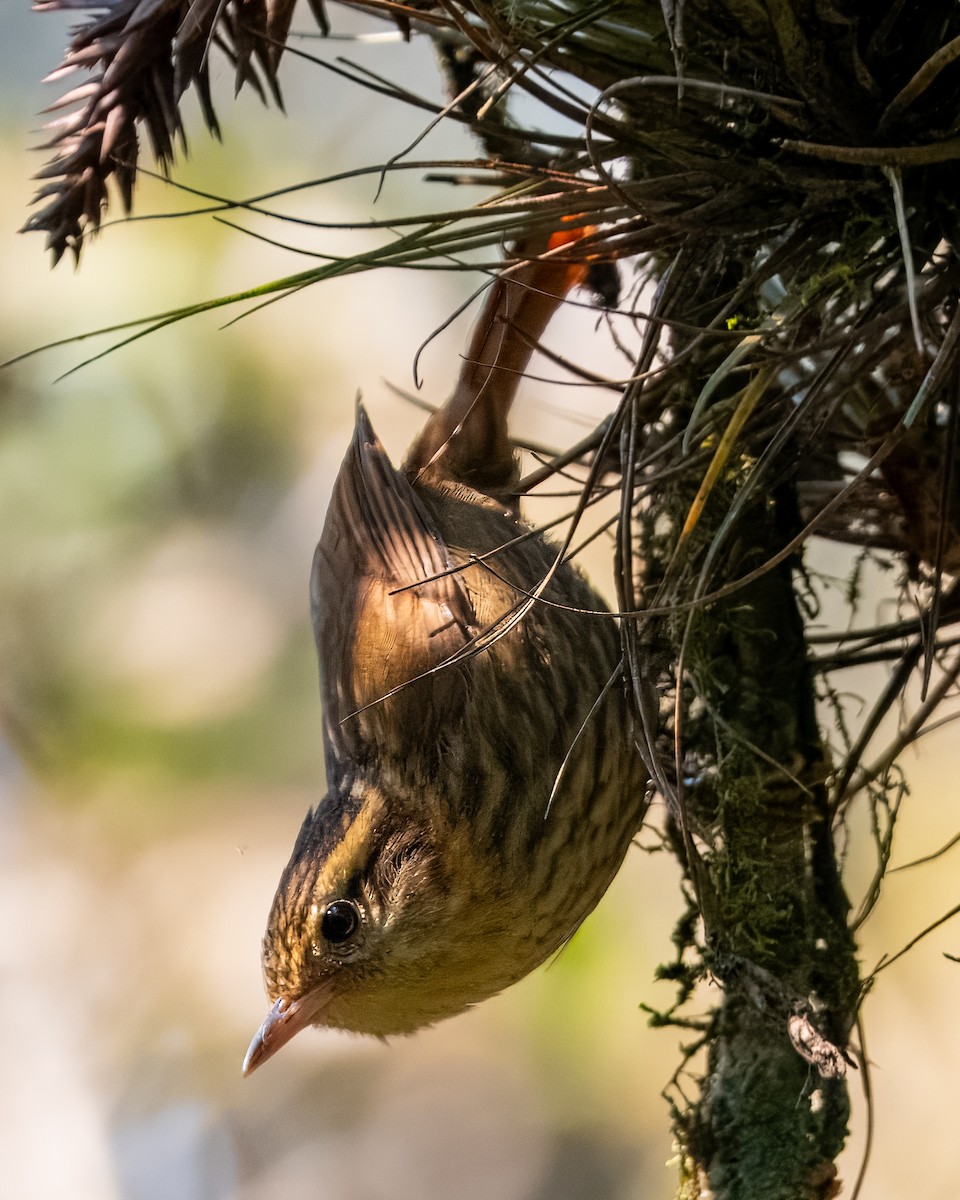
<point>758,850</point>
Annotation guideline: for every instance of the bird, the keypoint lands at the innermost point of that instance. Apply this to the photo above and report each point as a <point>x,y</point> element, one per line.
<point>483,782</point>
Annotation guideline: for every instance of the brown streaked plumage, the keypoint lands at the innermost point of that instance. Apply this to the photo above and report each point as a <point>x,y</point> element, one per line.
<point>438,869</point>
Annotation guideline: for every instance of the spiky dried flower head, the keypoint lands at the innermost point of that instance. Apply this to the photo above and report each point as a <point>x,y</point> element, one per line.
<point>138,57</point>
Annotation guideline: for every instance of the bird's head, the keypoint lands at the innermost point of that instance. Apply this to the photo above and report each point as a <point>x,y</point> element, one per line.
<point>380,925</point>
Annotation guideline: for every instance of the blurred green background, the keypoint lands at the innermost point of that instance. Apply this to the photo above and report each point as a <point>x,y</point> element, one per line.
<point>161,727</point>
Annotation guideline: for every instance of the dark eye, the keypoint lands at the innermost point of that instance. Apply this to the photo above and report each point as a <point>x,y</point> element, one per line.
<point>340,921</point>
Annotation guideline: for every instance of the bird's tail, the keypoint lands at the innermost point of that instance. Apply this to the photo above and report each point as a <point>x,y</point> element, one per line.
<point>466,440</point>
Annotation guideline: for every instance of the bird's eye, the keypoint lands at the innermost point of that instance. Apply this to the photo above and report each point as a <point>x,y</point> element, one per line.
<point>341,921</point>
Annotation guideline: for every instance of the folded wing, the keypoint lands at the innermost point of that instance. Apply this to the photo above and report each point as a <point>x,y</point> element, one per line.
<point>388,608</point>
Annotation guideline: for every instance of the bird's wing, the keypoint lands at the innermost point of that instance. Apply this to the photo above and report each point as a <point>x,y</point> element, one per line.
<point>386,608</point>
